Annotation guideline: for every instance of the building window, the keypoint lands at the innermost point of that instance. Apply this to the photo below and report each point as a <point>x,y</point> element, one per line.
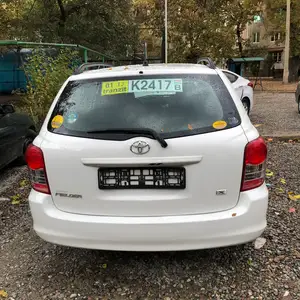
<point>277,56</point>
<point>275,37</point>
<point>256,37</point>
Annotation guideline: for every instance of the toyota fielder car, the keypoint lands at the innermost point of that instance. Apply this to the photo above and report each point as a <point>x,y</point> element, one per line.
<point>148,158</point>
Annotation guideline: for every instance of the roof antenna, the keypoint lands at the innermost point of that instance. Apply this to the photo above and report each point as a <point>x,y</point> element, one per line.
<point>145,63</point>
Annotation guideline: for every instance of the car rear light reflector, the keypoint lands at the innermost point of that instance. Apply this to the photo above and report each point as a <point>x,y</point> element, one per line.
<point>251,84</point>
<point>36,164</point>
<point>254,164</point>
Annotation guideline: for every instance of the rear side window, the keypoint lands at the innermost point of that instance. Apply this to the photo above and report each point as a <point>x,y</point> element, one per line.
<point>172,105</point>
<point>232,78</point>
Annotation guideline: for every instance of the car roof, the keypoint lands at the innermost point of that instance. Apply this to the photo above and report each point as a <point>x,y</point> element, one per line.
<point>154,69</point>
<point>228,71</point>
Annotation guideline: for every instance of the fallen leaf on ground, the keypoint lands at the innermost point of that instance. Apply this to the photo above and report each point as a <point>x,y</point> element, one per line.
<point>280,190</point>
<point>270,140</point>
<point>259,243</point>
<point>3,294</point>
<point>292,210</point>
<point>23,183</point>
<point>15,199</point>
<point>190,127</point>
<point>15,202</point>
<point>258,125</point>
<point>104,266</point>
<point>282,180</point>
<point>269,173</point>
<point>294,197</point>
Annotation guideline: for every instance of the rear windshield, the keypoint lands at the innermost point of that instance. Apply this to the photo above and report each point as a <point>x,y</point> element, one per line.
<point>172,105</point>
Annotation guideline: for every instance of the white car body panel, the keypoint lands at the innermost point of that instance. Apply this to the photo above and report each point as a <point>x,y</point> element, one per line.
<point>149,220</point>
<point>242,89</point>
<point>63,153</point>
<point>244,223</point>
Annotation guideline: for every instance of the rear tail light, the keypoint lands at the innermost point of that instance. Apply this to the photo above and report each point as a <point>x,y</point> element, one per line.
<point>35,161</point>
<point>250,84</point>
<point>254,164</point>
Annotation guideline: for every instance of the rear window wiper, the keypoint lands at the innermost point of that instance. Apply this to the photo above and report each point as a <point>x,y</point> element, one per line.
<point>143,131</point>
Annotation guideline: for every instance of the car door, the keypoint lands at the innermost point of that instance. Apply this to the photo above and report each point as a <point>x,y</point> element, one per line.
<point>236,83</point>
<point>7,139</point>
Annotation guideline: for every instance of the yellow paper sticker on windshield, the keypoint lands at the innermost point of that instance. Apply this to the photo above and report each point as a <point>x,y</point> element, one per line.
<point>114,87</point>
<point>57,121</point>
<point>219,125</point>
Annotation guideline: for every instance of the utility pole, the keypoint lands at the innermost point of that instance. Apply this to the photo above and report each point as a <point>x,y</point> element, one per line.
<point>287,43</point>
<point>166,31</point>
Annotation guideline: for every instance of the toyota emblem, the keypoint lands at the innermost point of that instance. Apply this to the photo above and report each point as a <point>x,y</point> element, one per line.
<point>140,148</point>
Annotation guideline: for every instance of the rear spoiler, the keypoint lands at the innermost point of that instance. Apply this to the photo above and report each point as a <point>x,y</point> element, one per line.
<point>91,66</point>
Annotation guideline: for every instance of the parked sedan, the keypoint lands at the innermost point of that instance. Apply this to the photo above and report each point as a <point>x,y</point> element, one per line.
<point>17,131</point>
<point>298,97</point>
<point>243,87</point>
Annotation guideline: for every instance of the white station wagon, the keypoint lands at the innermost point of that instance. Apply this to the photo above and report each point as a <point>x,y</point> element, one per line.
<point>148,158</point>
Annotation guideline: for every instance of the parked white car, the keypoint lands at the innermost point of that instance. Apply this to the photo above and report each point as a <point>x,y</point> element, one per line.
<point>243,87</point>
<point>148,158</point>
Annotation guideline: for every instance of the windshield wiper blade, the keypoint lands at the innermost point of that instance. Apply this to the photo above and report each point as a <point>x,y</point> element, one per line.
<point>143,131</point>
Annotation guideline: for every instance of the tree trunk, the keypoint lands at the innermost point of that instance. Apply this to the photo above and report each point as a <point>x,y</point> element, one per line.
<point>62,19</point>
<point>239,39</point>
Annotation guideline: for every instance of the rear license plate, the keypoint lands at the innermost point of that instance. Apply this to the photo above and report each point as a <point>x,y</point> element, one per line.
<point>142,178</point>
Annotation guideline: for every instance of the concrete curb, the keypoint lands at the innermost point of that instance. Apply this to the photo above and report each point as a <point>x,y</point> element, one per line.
<point>285,137</point>
<point>275,92</point>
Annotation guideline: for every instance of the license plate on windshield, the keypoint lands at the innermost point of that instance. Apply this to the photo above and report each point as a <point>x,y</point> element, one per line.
<point>142,178</point>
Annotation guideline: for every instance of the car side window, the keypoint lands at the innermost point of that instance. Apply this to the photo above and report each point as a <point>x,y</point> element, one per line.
<point>232,78</point>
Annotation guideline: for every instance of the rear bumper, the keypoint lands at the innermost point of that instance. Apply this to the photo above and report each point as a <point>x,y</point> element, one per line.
<point>152,233</point>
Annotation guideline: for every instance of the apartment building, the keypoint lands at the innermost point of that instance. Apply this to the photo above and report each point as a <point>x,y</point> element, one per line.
<point>270,43</point>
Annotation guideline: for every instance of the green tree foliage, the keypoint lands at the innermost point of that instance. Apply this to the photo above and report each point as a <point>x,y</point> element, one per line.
<point>239,13</point>
<point>10,17</point>
<point>104,25</point>
<point>199,27</point>
<point>45,76</point>
<point>276,19</point>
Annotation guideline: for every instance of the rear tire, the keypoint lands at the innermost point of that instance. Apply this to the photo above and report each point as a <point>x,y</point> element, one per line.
<point>246,104</point>
<point>30,136</point>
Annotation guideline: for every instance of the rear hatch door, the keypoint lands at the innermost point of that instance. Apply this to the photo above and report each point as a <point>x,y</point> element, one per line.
<point>98,173</point>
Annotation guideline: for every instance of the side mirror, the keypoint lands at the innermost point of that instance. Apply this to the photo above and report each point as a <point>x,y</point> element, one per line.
<point>7,109</point>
